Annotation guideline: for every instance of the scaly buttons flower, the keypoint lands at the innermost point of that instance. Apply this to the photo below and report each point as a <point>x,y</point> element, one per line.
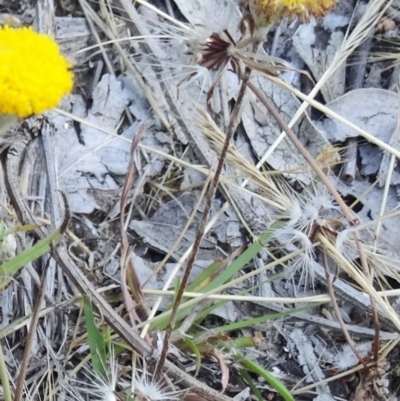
<point>267,12</point>
<point>34,75</point>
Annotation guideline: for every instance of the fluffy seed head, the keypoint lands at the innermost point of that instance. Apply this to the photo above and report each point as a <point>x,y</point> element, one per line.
<point>34,75</point>
<point>146,389</point>
<point>267,12</point>
<point>316,207</point>
<point>313,210</point>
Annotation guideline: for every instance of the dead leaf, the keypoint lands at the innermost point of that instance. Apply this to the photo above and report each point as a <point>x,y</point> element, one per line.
<point>371,109</point>
<point>224,368</point>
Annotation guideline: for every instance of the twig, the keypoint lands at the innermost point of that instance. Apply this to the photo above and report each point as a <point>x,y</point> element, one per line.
<point>331,293</point>
<point>31,335</point>
<point>200,233</point>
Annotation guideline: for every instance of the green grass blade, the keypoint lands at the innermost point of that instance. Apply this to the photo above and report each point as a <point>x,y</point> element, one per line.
<point>193,347</point>
<point>22,229</point>
<point>242,342</point>
<point>249,322</point>
<point>176,289</point>
<point>4,378</point>
<point>227,274</point>
<point>247,378</point>
<point>9,268</point>
<point>269,378</point>
<point>204,278</point>
<point>244,258</point>
<point>203,314</point>
<point>96,341</point>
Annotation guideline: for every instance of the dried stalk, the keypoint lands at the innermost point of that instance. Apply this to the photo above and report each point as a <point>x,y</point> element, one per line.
<point>345,209</point>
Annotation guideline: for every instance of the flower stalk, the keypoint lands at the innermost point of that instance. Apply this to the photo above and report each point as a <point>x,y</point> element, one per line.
<point>233,123</point>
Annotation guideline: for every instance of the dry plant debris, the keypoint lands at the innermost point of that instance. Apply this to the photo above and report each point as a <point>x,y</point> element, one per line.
<point>231,172</point>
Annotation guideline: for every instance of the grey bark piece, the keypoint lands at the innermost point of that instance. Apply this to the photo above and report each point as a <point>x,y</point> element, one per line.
<point>324,397</point>
<point>371,158</point>
<point>318,55</point>
<point>309,362</point>
<point>386,160</point>
<point>93,160</point>
<point>375,111</point>
<point>164,228</point>
<point>162,237</point>
<point>371,198</point>
<point>72,34</point>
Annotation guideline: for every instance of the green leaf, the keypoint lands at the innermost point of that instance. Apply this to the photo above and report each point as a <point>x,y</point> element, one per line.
<point>96,341</point>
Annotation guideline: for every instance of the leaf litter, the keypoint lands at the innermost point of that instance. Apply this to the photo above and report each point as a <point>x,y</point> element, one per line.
<point>158,81</point>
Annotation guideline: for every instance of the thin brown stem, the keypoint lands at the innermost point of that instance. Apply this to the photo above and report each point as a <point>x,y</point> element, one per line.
<point>234,120</point>
<point>128,272</point>
<point>331,293</point>
<point>345,209</point>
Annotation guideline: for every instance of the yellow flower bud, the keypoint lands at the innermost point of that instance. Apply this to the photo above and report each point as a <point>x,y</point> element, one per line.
<point>34,75</point>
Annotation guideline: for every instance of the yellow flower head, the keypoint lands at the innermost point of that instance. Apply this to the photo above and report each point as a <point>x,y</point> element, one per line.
<point>266,12</point>
<point>34,75</point>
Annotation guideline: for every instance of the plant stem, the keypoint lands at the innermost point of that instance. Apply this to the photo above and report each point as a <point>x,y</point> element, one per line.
<point>234,120</point>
